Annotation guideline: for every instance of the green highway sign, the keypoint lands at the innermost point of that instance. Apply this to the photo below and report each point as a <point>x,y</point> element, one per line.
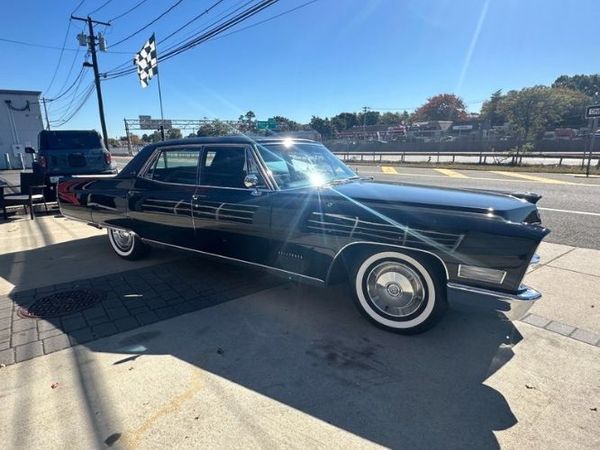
<point>270,124</point>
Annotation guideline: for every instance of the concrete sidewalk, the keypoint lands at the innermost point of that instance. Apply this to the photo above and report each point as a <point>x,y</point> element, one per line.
<point>297,367</point>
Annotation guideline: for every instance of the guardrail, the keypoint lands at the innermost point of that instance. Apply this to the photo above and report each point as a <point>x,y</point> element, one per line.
<point>508,158</point>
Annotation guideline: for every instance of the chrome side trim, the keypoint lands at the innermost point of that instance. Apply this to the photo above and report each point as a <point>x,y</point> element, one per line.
<point>384,245</point>
<point>526,294</point>
<point>229,258</point>
<point>77,219</point>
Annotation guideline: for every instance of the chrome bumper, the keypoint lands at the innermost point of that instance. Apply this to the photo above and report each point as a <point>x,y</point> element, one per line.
<point>509,306</point>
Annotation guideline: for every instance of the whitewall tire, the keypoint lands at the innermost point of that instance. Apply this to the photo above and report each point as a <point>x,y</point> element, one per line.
<point>126,244</point>
<point>399,293</point>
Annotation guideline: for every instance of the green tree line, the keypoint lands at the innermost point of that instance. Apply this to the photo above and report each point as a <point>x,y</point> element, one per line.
<point>529,111</point>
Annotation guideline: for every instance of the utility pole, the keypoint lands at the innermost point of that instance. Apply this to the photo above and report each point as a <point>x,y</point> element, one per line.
<point>92,47</point>
<point>594,127</point>
<point>365,109</point>
<point>46,113</point>
<point>129,151</point>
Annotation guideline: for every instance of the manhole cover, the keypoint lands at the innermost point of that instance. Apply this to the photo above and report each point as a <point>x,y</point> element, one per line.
<point>62,303</point>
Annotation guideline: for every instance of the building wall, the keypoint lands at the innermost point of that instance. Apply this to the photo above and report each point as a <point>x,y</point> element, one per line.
<point>20,124</point>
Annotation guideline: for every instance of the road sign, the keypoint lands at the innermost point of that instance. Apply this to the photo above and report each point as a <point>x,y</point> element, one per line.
<point>270,124</point>
<point>592,112</point>
<point>147,123</point>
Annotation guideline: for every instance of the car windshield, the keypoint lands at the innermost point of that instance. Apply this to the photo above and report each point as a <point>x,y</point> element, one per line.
<point>79,140</point>
<point>300,164</point>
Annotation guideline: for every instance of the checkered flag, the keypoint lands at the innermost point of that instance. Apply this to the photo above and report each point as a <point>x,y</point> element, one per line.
<point>146,61</point>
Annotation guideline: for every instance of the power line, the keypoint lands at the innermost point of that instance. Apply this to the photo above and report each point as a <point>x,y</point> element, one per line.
<point>76,110</point>
<point>66,91</point>
<point>267,20</point>
<point>219,19</point>
<point>114,71</point>
<point>164,13</point>
<point>128,11</point>
<point>228,12</point>
<point>99,7</point>
<point>60,94</point>
<point>184,46</point>
<point>78,6</point>
<point>128,62</point>
<point>72,97</point>
<point>221,28</point>
<point>66,49</point>
<point>59,57</point>
<point>31,44</point>
<point>203,13</point>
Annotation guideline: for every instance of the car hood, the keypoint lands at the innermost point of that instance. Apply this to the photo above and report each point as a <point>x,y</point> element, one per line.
<point>450,200</point>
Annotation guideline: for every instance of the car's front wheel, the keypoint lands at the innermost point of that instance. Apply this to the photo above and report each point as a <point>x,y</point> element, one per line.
<point>127,244</point>
<point>399,293</point>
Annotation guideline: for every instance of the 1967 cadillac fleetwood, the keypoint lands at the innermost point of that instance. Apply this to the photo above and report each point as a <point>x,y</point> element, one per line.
<point>293,208</point>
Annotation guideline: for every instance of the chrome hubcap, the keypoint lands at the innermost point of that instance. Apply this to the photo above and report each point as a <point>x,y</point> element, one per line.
<point>122,239</point>
<point>395,289</point>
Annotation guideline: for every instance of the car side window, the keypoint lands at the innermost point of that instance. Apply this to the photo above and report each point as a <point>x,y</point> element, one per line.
<point>175,166</point>
<point>226,166</point>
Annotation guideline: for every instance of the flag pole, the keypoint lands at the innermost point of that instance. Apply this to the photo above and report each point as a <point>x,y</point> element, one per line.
<point>162,117</point>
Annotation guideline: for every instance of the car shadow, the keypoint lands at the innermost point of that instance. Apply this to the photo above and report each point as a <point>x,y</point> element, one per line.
<point>308,348</point>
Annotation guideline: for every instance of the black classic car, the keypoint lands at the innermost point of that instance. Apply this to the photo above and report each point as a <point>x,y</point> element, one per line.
<point>292,207</point>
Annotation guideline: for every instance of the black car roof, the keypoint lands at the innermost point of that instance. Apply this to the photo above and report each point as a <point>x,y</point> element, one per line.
<point>229,140</point>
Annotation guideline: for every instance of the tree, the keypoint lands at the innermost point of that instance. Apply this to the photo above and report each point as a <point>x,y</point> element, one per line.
<point>344,121</point>
<point>405,117</point>
<point>570,105</point>
<point>586,84</point>
<point>390,118</point>
<point>536,109</point>
<point>323,126</point>
<point>215,128</point>
<point>369,118</point>
<point>174,133</point>
<point>441,107</point>
<point>490,110</point>
<point>285,124</point>
<point>250,116</point>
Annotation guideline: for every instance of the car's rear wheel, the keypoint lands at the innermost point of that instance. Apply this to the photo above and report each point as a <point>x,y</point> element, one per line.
<point>127,244</point>
<point>399,293</point>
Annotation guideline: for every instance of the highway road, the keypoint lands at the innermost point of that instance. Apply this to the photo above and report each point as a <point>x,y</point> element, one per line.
<point>570,205</point>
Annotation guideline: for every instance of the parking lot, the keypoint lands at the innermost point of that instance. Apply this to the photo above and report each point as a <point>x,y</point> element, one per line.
<point>185,352</point>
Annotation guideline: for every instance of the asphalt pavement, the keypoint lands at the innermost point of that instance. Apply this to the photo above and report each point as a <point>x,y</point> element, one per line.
<point>570,205</point>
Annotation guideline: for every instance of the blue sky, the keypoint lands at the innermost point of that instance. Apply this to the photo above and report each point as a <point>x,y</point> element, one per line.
<point>331,56</point>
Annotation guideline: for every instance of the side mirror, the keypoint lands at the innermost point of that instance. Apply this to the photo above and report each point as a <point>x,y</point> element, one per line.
<point>29,150</point>
<point>251,181</point>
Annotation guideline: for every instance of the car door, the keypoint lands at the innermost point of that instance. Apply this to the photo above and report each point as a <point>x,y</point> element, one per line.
<point>232,220</point>
<point>160,200</point>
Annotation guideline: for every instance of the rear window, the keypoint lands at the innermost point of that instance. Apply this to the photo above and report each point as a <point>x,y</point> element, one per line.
<point>71,140</point>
